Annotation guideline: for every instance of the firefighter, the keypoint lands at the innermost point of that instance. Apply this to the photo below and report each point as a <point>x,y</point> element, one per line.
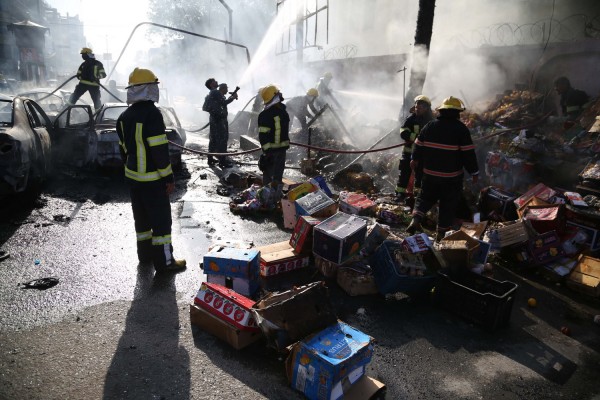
<point>420,115</point>
<point>273,134</point>
<point>325,91</point>
<point>145,151</point>
<point>301,107</point>
<point>89,74</point>
<point>215,104</point>
<point>572,101</point>
<point>443,149</point>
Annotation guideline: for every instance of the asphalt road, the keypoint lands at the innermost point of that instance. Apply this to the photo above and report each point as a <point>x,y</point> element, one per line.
<point>110,329</point>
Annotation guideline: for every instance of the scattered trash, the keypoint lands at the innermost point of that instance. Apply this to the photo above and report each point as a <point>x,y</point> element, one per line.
<point>40,284</point>
<point>203,176</point>
<point>4,255</point>
<point>223,191</point>
<point>37,262</point>
<point>360,311</point>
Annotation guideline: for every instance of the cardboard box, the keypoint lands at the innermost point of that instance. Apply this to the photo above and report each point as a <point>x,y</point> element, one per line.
<point>546,218</point>
<point>339,237</point>
<point>288,208</point>
<point>480,255</point>
<point>507,235</point>
<point>376,234</point>
<point>280,257</point>
<point>472,243</point>
<point>585,277</point>
<point>232,262</point>
<point>326,364</point>
<point>474,229</point>
<point>316,204</point>
<point>496,204</point>
<point>300,191</point>
<point>286,317</point>
<point>356,203</point>
<point>227,305</point>
<point>355,282</point>
<point>301,240</point>
<point>593,241</point>
<point>245,287</point>
<point>540,191</point>
<point>237,338</point>
<point>417,243</point>
<point>320,182</point>
<point>545,248</point>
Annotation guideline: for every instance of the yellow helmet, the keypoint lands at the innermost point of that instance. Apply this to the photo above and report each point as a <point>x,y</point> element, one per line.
<point>268,92</point>
<point>141,76</point>
<point>452,103</point>
<point>312,92</point>
<point>86,50</point>
<point>423,98</point>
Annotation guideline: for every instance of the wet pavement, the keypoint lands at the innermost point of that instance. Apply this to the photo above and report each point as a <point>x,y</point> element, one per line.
<point>111,329</point>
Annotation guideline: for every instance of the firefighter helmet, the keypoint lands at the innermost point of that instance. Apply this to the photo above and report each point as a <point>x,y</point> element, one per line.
<point>268,92</point>
<point>328,75</point>
<point>86,50</point>
<point>141,76</point>
<point>452,103</point>
<point>423,98</point>
<point>312,92</point>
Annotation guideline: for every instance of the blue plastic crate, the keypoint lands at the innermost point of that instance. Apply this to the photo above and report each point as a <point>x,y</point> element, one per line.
<point>387,277</point>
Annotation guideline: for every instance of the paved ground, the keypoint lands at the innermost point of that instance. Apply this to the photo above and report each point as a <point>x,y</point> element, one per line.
<point>112,330</point>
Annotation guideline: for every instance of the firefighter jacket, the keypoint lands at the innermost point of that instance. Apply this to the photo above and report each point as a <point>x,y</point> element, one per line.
<point>573,101</point>
<point>144,144</point>
<point>90,72</point>
<point>300,105</point>
<point>411,129</point>
<point>273,128</point>
<point>444,147</point>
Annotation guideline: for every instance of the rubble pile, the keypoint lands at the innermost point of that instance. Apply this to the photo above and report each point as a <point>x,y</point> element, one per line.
<point>513,109</point>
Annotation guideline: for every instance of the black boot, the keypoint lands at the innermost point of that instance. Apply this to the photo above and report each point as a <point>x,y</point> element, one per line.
<point>414,226</point>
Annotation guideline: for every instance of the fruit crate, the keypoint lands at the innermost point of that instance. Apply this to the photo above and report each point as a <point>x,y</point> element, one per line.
<point>482,300</point>
<point>388,277</point>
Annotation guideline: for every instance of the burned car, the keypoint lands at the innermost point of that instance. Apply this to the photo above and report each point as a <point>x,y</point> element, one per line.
<point>25,145</point>
<point>51,103</point>
<point>108,152</point>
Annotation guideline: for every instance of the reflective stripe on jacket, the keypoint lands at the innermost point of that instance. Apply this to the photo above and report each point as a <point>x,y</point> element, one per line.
<point>144,144</point>
<point>444,147</point>
<point>411,129</point>
<point>273,128</point>
<point>90,72</point>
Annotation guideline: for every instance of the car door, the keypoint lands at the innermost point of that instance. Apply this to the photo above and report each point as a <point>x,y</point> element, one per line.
<point>75,139</point>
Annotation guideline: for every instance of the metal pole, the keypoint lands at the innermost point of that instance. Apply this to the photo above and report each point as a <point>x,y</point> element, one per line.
<point>177,30</point>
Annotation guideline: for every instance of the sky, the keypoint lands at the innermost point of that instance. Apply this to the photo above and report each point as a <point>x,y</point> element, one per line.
<point>107,23</point>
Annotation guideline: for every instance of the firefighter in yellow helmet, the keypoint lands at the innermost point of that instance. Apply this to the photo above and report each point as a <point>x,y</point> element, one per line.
<point>273,134</point>
<point>145,152</point>
<point>443,149</point>
<point>302,106</point>
<point>89,74</point>
<point>420,115</point>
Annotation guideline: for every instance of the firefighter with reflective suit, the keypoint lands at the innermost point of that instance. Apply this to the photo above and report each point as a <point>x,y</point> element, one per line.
<point>273,134</point>
<point>443,149</point>
<point>421,115</point>
<point>89,74</point>
<point>145,152</point>
<point>301,107</point>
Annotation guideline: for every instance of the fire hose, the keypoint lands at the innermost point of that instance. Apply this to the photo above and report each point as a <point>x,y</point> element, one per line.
<point>205,153</point>
<point>55,90</point>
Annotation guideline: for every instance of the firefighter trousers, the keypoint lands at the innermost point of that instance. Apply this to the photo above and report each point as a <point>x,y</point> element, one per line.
<point>446,191</point>
<point>152,216</point>
<point>273,173</point>
<point>80,90</point>
<point>404,172</point>
<point>218,137</point>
